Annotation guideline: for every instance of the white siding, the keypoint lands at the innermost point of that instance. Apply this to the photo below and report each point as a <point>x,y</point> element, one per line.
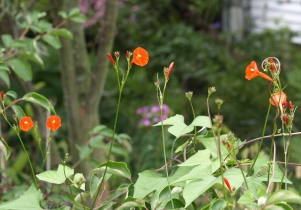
<point>276,14</point>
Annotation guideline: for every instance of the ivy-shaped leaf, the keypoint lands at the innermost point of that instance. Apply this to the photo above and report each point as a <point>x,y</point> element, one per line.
<point>29,200</point>
<point>56,177</point>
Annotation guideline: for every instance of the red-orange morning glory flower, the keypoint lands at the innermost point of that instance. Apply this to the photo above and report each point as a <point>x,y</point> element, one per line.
<point>140,57</point>
<point>276,99</point>
<point>25,123</point>
<point>53,122</point>
<point>252,72</point>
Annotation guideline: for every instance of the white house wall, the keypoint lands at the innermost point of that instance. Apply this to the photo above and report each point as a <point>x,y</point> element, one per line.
<point>275,14</point>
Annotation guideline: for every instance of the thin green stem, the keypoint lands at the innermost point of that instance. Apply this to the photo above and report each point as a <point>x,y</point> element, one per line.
<point>262,137</point>
<point>160,101</point>
<point>195,131</point>
<point>217,141</point>
<point>272,148</point>
<point>242,172</point>
<point>31,168</point>
<point>114,130</point>
<point>110,150</point>
<point>287,153</point>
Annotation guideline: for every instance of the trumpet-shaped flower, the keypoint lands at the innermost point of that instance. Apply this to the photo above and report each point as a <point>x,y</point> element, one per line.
<point>278,98</point>
<point>140,57</point>
<point>252,72</point>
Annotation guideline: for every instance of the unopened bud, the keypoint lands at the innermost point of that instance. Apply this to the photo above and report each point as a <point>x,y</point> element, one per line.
<point>189,95</point>
<point>219,102</point>
<point>116,54</point>
<point>211,90</point>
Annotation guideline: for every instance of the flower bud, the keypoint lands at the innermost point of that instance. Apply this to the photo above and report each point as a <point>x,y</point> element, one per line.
<point>211,90</point>
<point>157,83</point>
<point>2,95</point>
<point>128,55</point>
<point>116,54</point>
<point>219,102</point>
<point>169,70</point>
<point>79,179</point>
<point>111,59</point>
<point>189,95</point>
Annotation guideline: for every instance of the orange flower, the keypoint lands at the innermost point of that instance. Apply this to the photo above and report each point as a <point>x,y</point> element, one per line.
<point>252,72</point>
<point>228,184</point>
<point>140,57</point>
<point>53,122</point>
<point>276,99</point>
<point>25,123</point>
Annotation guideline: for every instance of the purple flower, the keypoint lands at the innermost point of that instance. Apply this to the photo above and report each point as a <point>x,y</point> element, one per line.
<point>155,109</point>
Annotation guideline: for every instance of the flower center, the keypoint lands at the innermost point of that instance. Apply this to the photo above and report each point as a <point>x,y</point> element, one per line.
<point>25,122</point>
<point>53,121</point>
<point>138,57</point>
<point>252,69</point>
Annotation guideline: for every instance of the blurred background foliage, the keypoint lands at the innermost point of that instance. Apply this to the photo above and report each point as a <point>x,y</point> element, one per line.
<point>187,33</point>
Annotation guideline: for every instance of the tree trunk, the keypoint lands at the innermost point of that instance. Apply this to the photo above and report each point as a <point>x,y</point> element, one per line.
<point>83,87</point>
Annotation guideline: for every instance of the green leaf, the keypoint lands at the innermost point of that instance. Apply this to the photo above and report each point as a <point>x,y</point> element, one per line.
<point>273,207</point>
<point>107,205</point>
<point>5,78</point>
<point>41,26</point>
<point>210,143</point>
<point>95,182</point>
<point>206,180</point>
<point>182,147</point>
<point>76,16</point>
<point>5,148</point>
<point>29,200</point>
<point>34,57</point>
<point>52,40</point>
<point>246,199</point>
<point>283,196</point>
<point>256,187</point>
<point>7,40</point>
<point>74,11</point>
<point>97,129</point>
<point>178,127</point>
<point>84,151</point>
<point>261,171</point>
<point>115,168</point>
<point>38,99</point>
<point>149,181</point>
<point>195,188</point>
<point>4,67</point>
<point>177,204</point>
<point>284,206</point>
<point>202,121</point>
<point>196,173</point>
<point>63,14</point>
<point>21,68</point>
<point>128,205</point>
<point>202,157</point>
<point>218,204</point>
<point>56,177</point>
<point>164,198</point>
<point>62,32</point>
<point>12,94</point>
